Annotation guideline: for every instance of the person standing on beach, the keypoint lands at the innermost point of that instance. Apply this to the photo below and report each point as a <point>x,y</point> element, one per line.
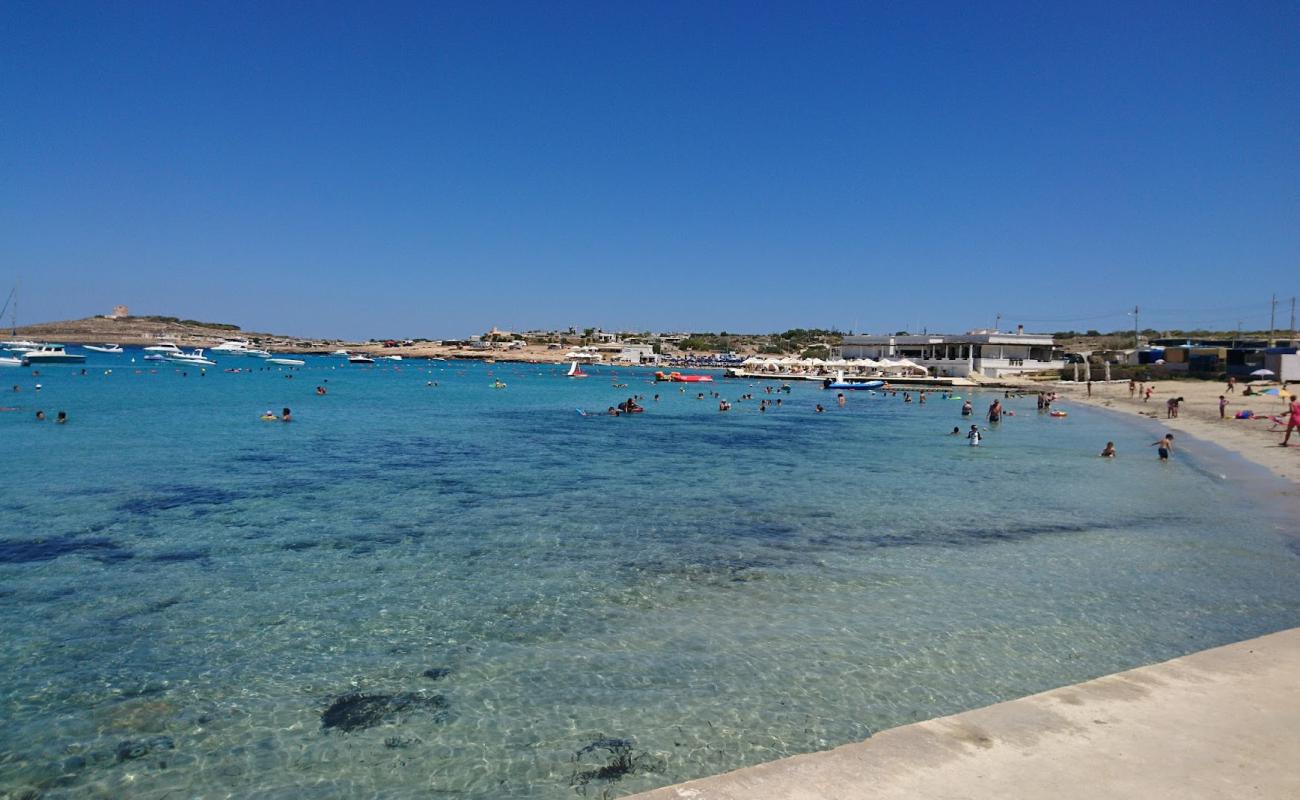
<point>1132,386</point>
<point>1232,384</point>
<point>1293,424</point>
<point>1090,388</point>
<point>1223,407</point>
<point>1165,445</point>
<point>1149,392</point>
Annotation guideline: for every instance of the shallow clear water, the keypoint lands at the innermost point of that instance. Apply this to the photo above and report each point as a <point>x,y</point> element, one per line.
<point>185,589</point>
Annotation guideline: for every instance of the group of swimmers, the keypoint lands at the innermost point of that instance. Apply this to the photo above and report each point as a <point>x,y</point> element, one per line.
<point>285,416</point>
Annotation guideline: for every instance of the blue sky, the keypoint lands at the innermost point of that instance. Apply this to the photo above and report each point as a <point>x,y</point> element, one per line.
<point>432,170</point>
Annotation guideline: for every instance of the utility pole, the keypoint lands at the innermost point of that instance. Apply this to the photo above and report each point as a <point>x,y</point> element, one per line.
<point>1292,321</point>
<point>1272,313</point>
<point>997,321</point>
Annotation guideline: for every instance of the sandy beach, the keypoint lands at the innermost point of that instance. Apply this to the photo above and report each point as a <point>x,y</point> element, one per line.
<point>1253,439</point>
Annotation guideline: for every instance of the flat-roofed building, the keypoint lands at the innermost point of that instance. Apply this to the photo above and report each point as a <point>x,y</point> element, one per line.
<point>992,354</point>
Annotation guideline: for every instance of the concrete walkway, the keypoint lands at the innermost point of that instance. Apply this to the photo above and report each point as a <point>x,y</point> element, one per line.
<point>1222,723</point>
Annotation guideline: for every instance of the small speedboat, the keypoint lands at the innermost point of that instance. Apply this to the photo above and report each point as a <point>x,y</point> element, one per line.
<point>155,357</point>
<point>255,353</point>
<point>163,347</point>
<point>195,357</point>
<point>8,361</point>
<point>343,353</point>
<point>840,383</point>
<point>103,348</point>
<point>852,385</point>
<point>288,362</point>
<point>50,354</point>
<point>391,358</point>
<point>360,359</point>
<point>18,345</point>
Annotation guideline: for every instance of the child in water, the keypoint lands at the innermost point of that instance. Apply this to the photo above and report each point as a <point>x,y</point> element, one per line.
<point>974,436</point>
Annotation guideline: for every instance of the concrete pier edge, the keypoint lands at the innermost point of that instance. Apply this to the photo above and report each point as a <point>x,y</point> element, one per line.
<point>1220,723</point>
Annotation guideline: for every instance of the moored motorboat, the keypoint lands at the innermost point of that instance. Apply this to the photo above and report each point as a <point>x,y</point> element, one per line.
<point>840,383</point>
<point>51,354</point>
<point>233,347</point>
<point>18,345</point>
<point>195,357</point>
<point>288,362</point>
<point>852,385</point>
<point>255,353</point>
<point>360,358</point>
<point>162,347</point>
<point>9,361</point>
<point>103,348</point>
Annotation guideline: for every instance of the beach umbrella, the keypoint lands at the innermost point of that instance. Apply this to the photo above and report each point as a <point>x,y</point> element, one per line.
<point>1263,373</point>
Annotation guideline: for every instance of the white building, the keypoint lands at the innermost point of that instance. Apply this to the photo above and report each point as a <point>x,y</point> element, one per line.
<point>992,354</point>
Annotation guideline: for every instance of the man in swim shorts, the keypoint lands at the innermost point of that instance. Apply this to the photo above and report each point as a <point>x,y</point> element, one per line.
<point>1165,446</point>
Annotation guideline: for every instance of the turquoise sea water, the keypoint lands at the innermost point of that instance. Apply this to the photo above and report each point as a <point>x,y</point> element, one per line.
<point>505,587</point>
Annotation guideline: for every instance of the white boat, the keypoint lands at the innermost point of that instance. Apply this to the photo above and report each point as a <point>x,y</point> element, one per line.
<point>232,347</point>
<point>155,357</point>
<point>255,353</point>
<point>18,345</point>
<point>51,354</point>
<point>104,348</point>
<point>196,357</point>
<point>162,347</point>
<point>575,371</point>
<point>343,353</point>
<point>391,358</point>
<point>288,362</point>
<point>360,359</point>
<point>6,361</point>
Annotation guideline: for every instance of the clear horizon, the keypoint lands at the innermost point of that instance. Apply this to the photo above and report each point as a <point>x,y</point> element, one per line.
<point>432,172</point>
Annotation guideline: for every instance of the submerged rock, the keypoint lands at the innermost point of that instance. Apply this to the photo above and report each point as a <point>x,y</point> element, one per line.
<point>132,749</point>
<point>620,757</point>
<point>358,711</point>
<point>436,673</point>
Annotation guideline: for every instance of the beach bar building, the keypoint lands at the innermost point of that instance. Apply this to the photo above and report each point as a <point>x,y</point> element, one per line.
<point>990,354</point>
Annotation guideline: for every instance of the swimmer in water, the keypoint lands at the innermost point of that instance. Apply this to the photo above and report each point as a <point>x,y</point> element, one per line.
<point>819,408</point>
<point>320,390</point>
<point>285,417</point>
<point>840,399</point>
<point>40,416</point>
<point>974,436</point>
<point>956,430</point>
<point>1109,450</point>
<point>62,417</point>
<point>269,415</point>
